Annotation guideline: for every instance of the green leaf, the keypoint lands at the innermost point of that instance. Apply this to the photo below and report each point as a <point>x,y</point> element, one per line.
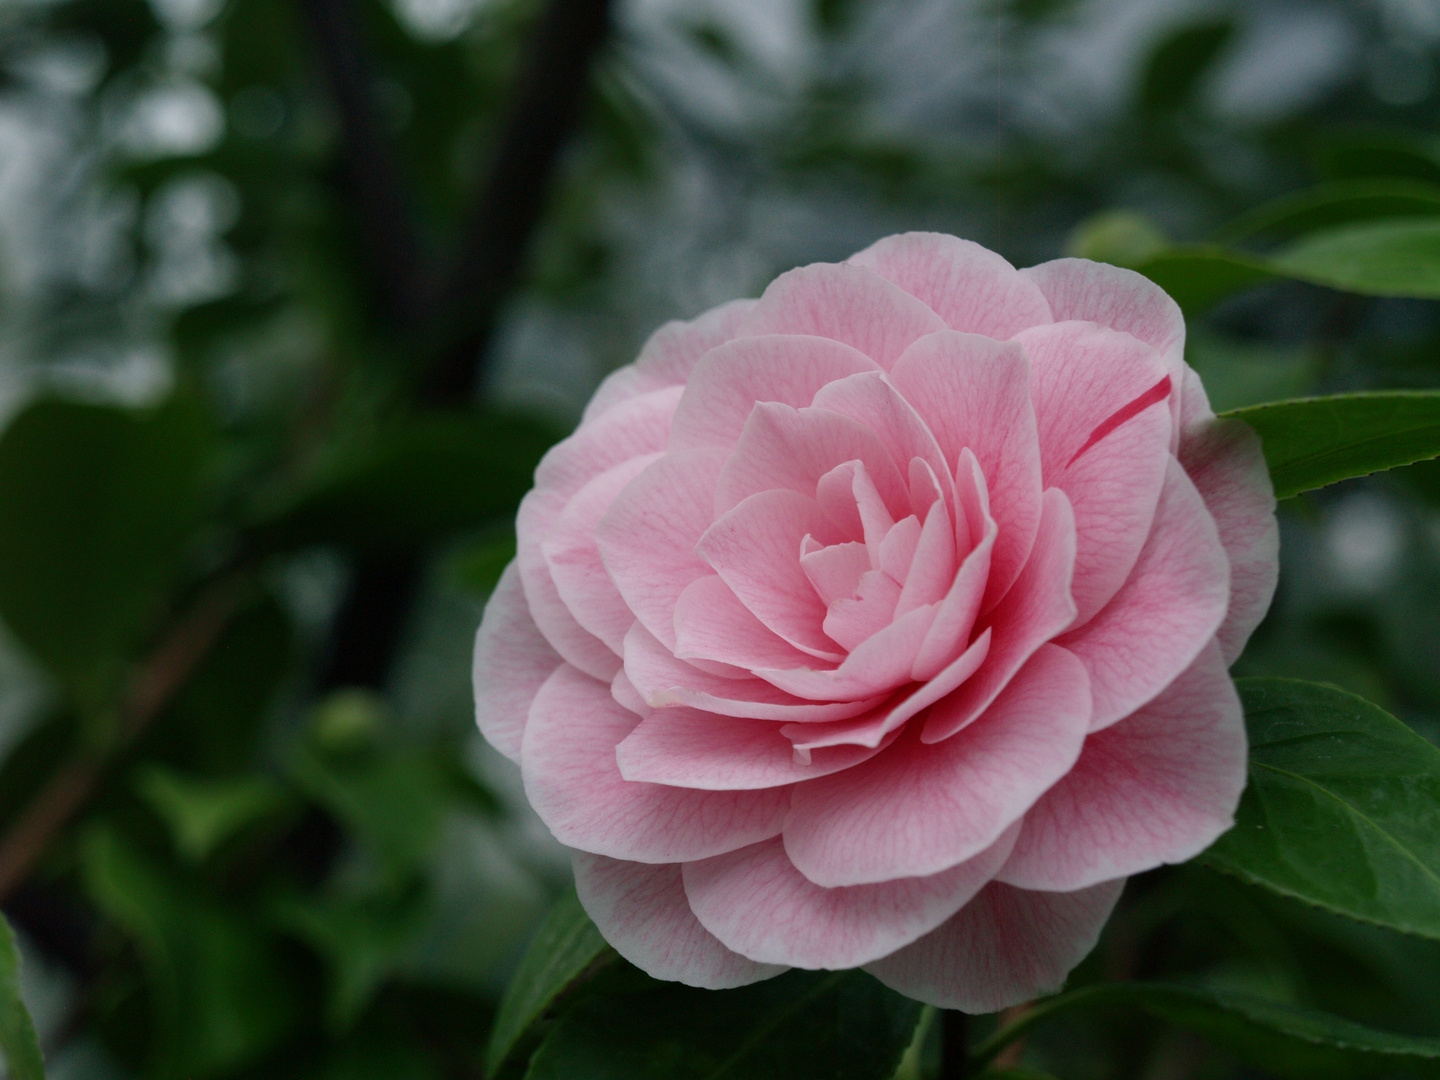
<point>1177,65</point>
<point>1338,202</point>
<point>1380,258</point>
<point>95,503</point>
<point>1199,276</point>
<point>1311,442</point>
<point>20,1047</point>
<point>840,1025</point>
<point>564,948</point>
<point>1342,809</point>
<point>1284,1039</point>
<point>422,480</point>
<point>203,814</point>
<point>217,987</point>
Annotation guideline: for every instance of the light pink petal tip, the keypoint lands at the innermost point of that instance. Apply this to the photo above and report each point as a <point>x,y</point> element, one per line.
<point>512,661</point>
<point>1005,947</point>
<point>642,912</point>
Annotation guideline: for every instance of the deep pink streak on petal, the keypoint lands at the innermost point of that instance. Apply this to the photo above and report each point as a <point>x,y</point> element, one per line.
<point>1005,947</point>
<point>726,384</point>
<point>712,624</point>
<point>705,751</point>
<point>665,682</point>
<point>647,537</point>
<point>974,393</point>
<point>642,911</point>
<point>574,559</point>
<point>757,903</point>
<point>916,809</point>
<point>755,548</point>
<point>1035,610</point>
<point>1164,614</point>
<point>879,664</point>
<point>869,399</point>
<point>668,357</point>
<point>512,660</point>
<point>847,303</point>
<point>970,287</point>
<point>792,449</point>
<point>1224,459</point>
<point>573,782</point>
<point>1114,487</point>
<point>1158,787</point>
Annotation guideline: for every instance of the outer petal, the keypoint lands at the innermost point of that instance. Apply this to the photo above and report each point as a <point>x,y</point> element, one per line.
<point>647,538</point>
<point>668,357</point>
<point>1167,611</point>
<point>974,392</point>
<point>1005,947</point>
<point>573,782</point>
<point>642,911</point>
<point>916,810</point>
<point>1224,459</point>
<point>758,904</point>
<point>846,303</point>
<point>512,661</point>
<point>726,384</point>
<point>1158,787</point>
<point>709,752</point>
<point>970,287</point>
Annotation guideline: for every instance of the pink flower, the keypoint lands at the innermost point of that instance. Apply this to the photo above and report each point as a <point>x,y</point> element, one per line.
<point>884,621</point>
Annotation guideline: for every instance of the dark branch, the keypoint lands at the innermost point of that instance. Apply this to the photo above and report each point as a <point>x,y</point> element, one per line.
<point>385,225</point>
<point>545,110</point>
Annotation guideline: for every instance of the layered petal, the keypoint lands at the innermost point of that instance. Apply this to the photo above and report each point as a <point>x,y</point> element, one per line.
<point>918,809</point>
<point>1158,787</point>
<point>642,911</point>
<point>512,660</point>
<point>1005,947</point>
<point>573,782</point>
<point>757,903</point>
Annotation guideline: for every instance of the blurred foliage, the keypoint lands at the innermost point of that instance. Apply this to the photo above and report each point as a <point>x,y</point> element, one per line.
<point>214,433</point>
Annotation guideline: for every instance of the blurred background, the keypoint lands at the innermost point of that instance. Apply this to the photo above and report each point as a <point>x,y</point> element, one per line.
<point>293,295</point>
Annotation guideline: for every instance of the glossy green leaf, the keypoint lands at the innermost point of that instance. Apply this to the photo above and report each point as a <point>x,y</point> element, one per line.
<point>1378,258</point>
<point>1311,442</point>
<point>1342,808</point>
<point>420,482</point>
<point>840,1025</point>
<point>1284,1039</point>
<point>564,948</point>
<point>1338,202</point>
<point>18,1045</point>
<point>95,503</point>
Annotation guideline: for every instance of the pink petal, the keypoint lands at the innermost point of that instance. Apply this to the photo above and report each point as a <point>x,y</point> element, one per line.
<point>846,303</point>
<point>849,498</point>
<point>918,809</point>
<point>930,574</point>
<point>971,288</point>
<point>1005,947</point>
<point>835,571</point>
<point>712,624</point>
<point>869,399</point>
<point>642,911</point>
<point>668,357</point>
<point>876,666</point>
<point>693,749</point>
<point>791,449</point>
<point>1164,614</point>
<point>573,782</point>
<point>1224,459</point>
<point>647,538</point>
<point>974,392</point>
<point>755,548</point>
<point>853,620</point>
<point>727,383</point>
<point>1158,787</point>
<point>627,697</point>
<point>574,560</point>
<point>1036,609</point>
<point>512,660</point>
<point>665,682</point>
<point>757,903</point>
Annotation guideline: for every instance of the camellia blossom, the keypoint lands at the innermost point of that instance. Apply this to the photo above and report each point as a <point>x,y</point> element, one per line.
<point>884,621</point>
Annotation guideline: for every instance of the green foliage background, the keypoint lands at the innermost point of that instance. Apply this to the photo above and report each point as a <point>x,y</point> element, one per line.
<point>295,293</point>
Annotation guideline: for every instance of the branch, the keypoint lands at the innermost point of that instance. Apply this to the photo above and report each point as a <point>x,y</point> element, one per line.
<point>386,224</point>
<point>545,111</point>
<point>157,681</point>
